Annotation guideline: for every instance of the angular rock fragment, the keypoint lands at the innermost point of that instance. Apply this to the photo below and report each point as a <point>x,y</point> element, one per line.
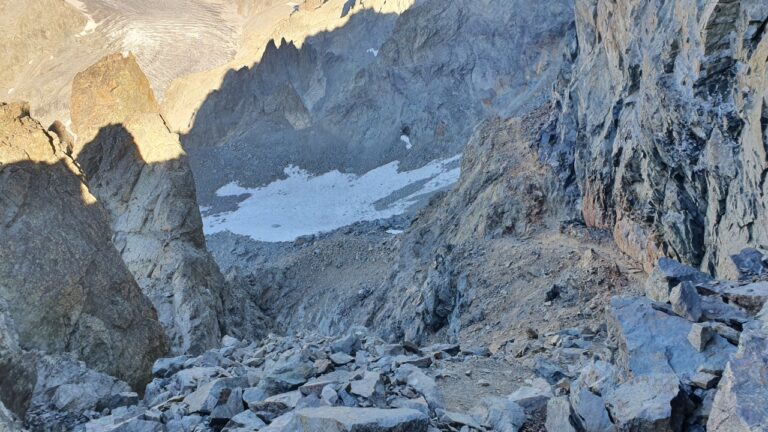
<point>559,415</point>
<point>669,273</point>
<point>499,414</point>
<point>741,401</point>
<point>751,297</point>
<point>534,397</point>
<point>343,419</point>
<point>686,301</point>
<point>648,403</point>
<point>700,335</point>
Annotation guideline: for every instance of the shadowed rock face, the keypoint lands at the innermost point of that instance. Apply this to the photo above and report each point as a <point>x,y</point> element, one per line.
<point>138,171</point>
<point>344,99</point>
<point>63,286</point>
<point>664,127</point>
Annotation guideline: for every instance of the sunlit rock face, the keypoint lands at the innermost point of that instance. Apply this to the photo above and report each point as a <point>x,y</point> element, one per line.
<point>664,127</point>
<point>63,285</point>
<point>137,169</point>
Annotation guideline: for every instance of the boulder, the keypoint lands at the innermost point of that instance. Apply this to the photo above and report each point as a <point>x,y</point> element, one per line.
<point>222,395</point>
<point>534,397</point>
<point>667,274</point>
<point>750,263</point>
<point>421,383</point>
<point>741,401</point>
<point>247,420</point>
<point>700,335</point>
<point>63,285</point>
<point>686,301</point>
<point>559,415</point>
<point>751,297</point>
<point>648,403</point>
<point>499,414</point>
<point>343,419</point>
<point>369,386</point>
<point>654,342</point>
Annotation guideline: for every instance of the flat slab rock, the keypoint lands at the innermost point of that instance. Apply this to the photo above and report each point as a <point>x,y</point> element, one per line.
<point>654,342</point>
<point>343,419</point>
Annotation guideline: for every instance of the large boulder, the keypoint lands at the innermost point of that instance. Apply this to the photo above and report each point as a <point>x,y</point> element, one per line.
<point>63,284</point>
<point>652,341</point>
<point>137,169</point>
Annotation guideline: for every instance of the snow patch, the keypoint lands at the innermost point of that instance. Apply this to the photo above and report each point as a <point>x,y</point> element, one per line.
<point>373,51</point>
<point>407,140</point>
<point>305,204</point>
<point>10,90</point>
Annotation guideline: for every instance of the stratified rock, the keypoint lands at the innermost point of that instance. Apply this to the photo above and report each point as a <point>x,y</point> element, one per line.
<point>137,169</point>
<point>62,282</point>
<point>650,403</point>
<point>343,419</point>
<point>741,401</point>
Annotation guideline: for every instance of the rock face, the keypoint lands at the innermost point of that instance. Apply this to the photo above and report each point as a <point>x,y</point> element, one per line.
<point>63,286</point>
<point>372,91</point>
<point>664,127</point>
<point>137,169</point>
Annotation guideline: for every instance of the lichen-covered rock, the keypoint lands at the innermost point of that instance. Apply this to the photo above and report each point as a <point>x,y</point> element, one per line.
<point>63,284</point>
<point>137,169</point>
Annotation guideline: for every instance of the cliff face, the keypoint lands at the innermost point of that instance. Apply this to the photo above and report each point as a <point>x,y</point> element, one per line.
<point>63,285</point>
<point>381,87</point>
<point>137,169</point>
<point>663,127</point>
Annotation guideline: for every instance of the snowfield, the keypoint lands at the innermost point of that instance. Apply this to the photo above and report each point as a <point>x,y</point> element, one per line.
<point>303,204</point>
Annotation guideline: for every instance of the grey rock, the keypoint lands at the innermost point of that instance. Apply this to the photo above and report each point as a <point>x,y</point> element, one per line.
<point>460,420</point>
<point>705,380</point>
<point>700,335</point>
<point>348,344</point>
<point>648,403</point>
<point>64,285</point>
<point>342,419</point>
<point>741,401</point>
<point>533,397</point>
<point>750,263</point>
<point>341,359</point>
<point>751,297</point>
<point>223,393</point>
<point>669,273</point>
<point>275,406</point>
<point>499,414</point>
<point>559,415</point>
<point>329,396</point>
<point>686,301</point>
<point>369,386</point>
<point>654,342</point>
<point>254,395</point>
<point>422,384</point>
<point>246,419</point>
<point>419,404</point>
<point>165,367</point>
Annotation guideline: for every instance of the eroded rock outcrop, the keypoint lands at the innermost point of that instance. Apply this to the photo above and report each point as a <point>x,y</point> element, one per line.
<point>63,285</point>
<point>137,169</point>
<point>664,127</point>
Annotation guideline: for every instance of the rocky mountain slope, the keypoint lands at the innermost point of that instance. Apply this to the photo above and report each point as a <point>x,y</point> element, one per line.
<point>600,265</point>
<point>64,287</point>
